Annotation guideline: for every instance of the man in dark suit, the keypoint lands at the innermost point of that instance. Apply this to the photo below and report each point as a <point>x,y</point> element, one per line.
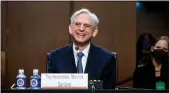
<point>82,56</point>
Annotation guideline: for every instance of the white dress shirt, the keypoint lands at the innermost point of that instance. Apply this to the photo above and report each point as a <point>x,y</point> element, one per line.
<point>84,58</point>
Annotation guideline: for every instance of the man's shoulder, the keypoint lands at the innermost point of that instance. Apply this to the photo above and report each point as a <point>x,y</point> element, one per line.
<point>60,50</point>
<point>103,51</point>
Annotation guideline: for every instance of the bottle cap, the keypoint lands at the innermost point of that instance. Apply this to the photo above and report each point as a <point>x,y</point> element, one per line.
<point>21,71</point>
<point>35,71</point>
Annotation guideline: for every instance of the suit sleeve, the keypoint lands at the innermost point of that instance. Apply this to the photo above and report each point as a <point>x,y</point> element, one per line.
<point>109,74</point>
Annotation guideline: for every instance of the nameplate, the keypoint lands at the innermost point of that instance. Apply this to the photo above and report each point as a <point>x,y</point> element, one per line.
<point>64,81</point>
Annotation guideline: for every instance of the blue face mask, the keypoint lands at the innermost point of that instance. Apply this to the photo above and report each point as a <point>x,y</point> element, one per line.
<point>146,45</point>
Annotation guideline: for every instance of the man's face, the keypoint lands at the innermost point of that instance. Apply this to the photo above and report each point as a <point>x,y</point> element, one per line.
<point>82,29</point>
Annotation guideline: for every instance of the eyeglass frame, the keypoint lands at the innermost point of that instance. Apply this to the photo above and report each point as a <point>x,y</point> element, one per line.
<point>85,25</point>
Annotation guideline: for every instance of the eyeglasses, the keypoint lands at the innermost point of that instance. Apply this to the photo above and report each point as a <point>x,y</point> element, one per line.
<point>86,26</point>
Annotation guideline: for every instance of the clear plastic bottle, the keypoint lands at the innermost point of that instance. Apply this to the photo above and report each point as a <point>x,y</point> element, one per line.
<point>35,80</point>
<point>21,80</point>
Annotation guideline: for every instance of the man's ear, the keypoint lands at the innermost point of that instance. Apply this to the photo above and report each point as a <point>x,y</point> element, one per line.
<point>70,29</point>
<point>95,32</point>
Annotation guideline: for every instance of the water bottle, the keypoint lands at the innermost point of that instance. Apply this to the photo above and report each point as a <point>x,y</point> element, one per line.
<point>21,80</point>
<point>35,80</point>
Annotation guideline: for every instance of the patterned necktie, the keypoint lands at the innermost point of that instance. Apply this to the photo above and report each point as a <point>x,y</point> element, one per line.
<point>79,62</point>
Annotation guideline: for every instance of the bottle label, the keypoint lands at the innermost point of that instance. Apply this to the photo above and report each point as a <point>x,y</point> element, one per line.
<point>21,82</point>
<point>35,83</point>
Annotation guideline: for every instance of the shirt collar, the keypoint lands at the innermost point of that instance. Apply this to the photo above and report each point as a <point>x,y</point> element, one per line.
<point>85,51</point>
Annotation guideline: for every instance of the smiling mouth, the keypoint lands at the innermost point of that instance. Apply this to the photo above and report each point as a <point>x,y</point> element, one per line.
<point>80,34</point>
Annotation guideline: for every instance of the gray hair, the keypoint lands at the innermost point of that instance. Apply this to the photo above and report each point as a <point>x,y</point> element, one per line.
<point>86,11</point>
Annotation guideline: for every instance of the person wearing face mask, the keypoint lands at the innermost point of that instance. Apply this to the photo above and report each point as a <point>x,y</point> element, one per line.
<point>154,74</point>
<point>82,56</point>
<point>143,49</point>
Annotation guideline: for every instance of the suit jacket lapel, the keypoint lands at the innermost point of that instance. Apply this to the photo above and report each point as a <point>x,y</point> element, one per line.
<point>90,59</point>
<point>71,60</point>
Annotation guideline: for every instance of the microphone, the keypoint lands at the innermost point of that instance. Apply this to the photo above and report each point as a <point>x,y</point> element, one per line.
<point>77,48</point>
